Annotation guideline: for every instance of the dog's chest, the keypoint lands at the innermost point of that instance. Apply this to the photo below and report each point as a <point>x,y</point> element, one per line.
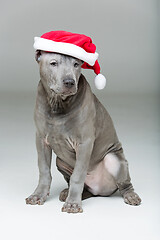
<point>60,136</point>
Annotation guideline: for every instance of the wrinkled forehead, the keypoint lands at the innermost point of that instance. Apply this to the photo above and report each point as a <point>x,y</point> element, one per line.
<point>59,57</point>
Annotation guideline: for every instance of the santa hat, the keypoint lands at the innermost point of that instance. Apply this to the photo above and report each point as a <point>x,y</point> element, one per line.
<point>75,45</point>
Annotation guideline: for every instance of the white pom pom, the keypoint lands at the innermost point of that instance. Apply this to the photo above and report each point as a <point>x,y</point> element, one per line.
<point>100,81</point>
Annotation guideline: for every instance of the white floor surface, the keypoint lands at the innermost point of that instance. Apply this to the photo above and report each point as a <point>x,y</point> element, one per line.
<point>136,119</point>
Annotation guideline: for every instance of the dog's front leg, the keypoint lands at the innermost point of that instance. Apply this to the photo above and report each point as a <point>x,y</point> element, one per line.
<point>44,163</point>
<point>73,202</point>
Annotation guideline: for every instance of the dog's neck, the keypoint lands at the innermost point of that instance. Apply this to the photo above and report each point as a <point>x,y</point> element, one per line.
<point>59,104</point>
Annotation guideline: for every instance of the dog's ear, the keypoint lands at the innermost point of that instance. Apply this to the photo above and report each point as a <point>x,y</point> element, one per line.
<point>82,62</point>
<point>38,55</point>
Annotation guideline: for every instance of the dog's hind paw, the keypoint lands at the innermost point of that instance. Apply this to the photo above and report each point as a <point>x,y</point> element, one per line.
<point>132,198</point>
<point>63,195</point>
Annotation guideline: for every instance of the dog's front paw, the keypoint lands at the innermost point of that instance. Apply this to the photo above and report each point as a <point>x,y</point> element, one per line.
<point>36,199</point>
<point>132,198</point>
<point>72,208</point>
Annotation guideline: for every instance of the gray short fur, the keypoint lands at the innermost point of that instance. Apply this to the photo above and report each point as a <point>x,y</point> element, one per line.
<point>72,122</point>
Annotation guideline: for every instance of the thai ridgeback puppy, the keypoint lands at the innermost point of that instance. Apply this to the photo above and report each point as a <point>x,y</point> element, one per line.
<point>72,122</point>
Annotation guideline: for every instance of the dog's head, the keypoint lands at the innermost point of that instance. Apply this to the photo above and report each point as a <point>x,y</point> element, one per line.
<point>59,73</point>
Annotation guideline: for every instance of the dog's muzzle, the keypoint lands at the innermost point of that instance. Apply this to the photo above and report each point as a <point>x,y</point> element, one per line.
<point>69,83</point>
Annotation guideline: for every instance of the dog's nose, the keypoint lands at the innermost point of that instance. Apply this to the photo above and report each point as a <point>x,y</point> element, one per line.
<point>69,83</point>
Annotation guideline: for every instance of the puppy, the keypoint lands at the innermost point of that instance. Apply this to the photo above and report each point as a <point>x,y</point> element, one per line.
<point>72,122</point>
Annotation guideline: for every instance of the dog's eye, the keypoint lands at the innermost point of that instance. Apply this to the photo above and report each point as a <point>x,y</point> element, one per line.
<point>76,65</point>
<point>53,63</point>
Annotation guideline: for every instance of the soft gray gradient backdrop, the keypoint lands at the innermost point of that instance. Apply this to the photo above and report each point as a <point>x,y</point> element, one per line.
<point>126,33</point>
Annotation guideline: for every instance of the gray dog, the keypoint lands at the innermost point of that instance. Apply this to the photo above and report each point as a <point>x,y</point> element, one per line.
<point>74,124</point>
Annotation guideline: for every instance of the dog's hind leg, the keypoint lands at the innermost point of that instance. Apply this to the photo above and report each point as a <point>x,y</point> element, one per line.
<point>117,166</point>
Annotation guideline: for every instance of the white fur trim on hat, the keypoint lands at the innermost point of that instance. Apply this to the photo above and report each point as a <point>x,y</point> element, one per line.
<point>100,81</point>
<point>65,48</point>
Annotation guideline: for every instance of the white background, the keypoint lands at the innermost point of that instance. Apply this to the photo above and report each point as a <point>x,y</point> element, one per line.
<point>126,35</point>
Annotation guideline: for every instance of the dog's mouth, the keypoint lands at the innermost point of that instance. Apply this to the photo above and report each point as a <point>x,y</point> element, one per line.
<point>69,92</point>
<point>64,93</point>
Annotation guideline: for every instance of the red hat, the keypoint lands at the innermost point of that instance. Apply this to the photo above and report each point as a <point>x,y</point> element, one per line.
<point>75,45</point>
